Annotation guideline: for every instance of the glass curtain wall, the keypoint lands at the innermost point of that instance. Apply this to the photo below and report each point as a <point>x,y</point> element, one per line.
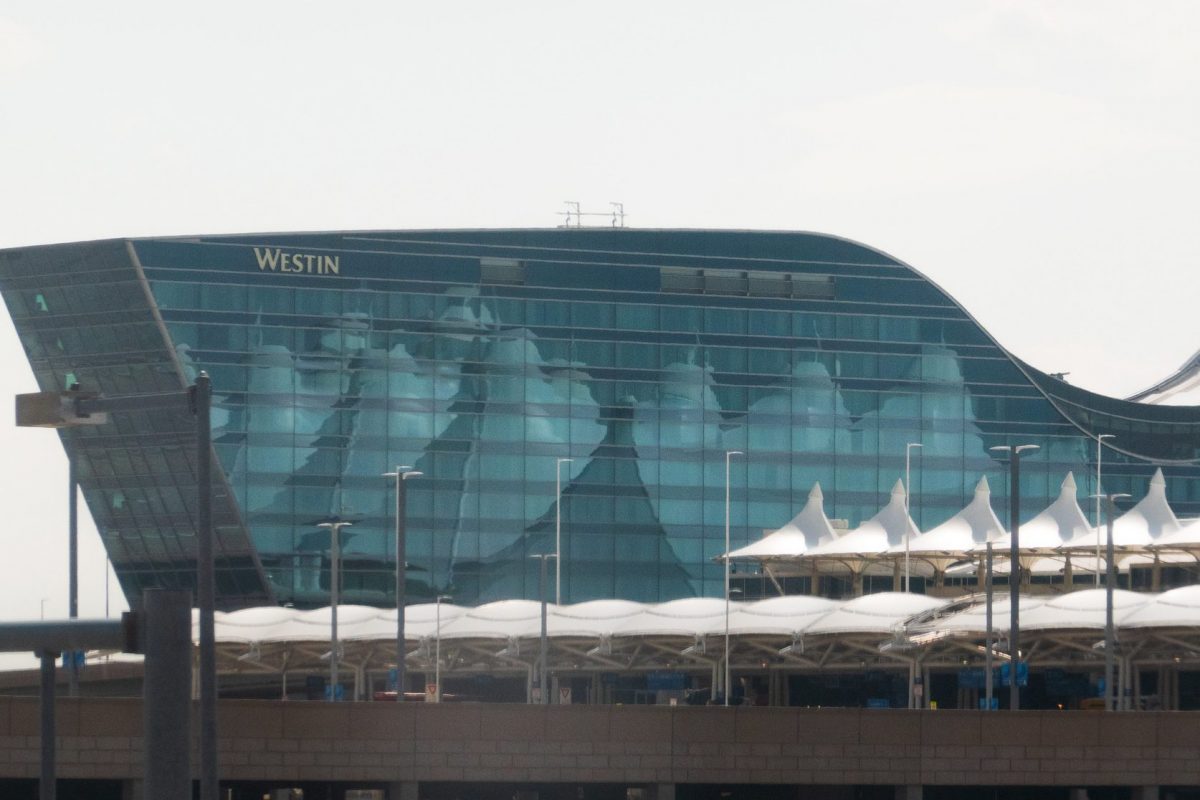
<point>482,358</point>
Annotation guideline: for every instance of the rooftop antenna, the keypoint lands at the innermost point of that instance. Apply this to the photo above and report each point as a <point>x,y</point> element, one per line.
<point>573,216</point>
<point>566,215</point>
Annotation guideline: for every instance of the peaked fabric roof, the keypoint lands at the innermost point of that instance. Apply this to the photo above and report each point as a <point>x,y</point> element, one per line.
<point>806,530</point>
<point>889,527</point>
<point>1059,523</point>
<point>1186,535</point>
<point>1139,526</point>
<point>976,524</point>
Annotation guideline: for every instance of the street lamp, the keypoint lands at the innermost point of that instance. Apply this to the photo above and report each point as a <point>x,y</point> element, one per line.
<point>558,462</point>
<point>335,528</point>
<point>1110,638</point>
<point>542,642</point>
<point>437,651</point>
<point>1014,568</point>
<point>987,657</point>
<point>908,514</point>
<point>1099,496</point>
<point>74,408</point>
<point>728,455</point>
<point>401,475</point>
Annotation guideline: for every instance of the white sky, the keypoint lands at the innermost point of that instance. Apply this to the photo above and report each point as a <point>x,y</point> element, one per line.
<point>1037,160</point>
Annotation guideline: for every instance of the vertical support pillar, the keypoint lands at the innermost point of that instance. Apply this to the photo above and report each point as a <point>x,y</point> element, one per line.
<point>664,791</point>
<point>73,562</point>
<point>48,778</point>
<point>910,792</point>
<point>166,707</point>
<point>1014,579</point>
<point>814,587</point>
<point>206,589</point>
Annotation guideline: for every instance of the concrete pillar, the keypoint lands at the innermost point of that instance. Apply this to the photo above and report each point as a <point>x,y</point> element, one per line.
<point>402,790</point>
<point>1145,793</point>
<point>909,792</point>
<point>1078,794</point>
<point>664,791</point>
<point>166,709</point>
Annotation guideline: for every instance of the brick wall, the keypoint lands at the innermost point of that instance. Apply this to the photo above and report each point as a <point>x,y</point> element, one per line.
<point>632,744</point>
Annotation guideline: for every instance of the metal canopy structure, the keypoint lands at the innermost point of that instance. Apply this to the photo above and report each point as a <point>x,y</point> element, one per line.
<point>778,636</point>
<point>1057,541</point>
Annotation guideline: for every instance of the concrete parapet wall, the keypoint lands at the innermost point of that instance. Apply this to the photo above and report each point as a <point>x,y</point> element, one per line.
<point>272,740</point>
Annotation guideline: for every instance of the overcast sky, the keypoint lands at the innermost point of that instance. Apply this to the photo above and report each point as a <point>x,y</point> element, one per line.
<point>1037,160</point>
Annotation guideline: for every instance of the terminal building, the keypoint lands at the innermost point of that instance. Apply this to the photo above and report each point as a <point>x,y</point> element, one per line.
<point>585,381</point>
<point>634,395</point>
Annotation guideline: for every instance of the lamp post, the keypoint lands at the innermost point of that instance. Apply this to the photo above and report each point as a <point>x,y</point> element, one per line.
<point>728,455</point>
<point>401,475</point>
<point>1014,569</point>
<point>335,528</point>
<point>558,462</point>
<point>72,560</point>
<point>907,513</point>
<point>987,656</point>
<point>1110,580</point>
<point>437,650</point>
<point>74,408</point>
<point>542,640</point>
<point>1099,453</point>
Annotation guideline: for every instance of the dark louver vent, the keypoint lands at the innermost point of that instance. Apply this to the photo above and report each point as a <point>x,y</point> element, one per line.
<point>507,271</point>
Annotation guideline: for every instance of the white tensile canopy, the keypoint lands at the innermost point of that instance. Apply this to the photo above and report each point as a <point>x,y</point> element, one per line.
<point>956,538</point>
<point>1042,537</point>
<point>793,632</point>
<point>857,550</point>
<point>1138,527</point>
<point>1057,541</point>
<point>806,530</point>
<point>1059,523</point>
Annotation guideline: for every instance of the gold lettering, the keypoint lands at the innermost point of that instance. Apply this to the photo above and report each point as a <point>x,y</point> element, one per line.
<point>274,259</point>
<point>267,259</point>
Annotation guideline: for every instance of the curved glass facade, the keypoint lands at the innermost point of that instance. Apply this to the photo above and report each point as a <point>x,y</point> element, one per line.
<point>482,358</point>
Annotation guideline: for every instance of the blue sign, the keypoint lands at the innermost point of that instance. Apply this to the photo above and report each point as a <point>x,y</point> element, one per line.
<point>341,692</point>
<point>1022,674</point>
<point>73,655</point>
<point>665,681</point>
<point>878,702</point>
<point>983,703</point>
<point>970,678</point>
